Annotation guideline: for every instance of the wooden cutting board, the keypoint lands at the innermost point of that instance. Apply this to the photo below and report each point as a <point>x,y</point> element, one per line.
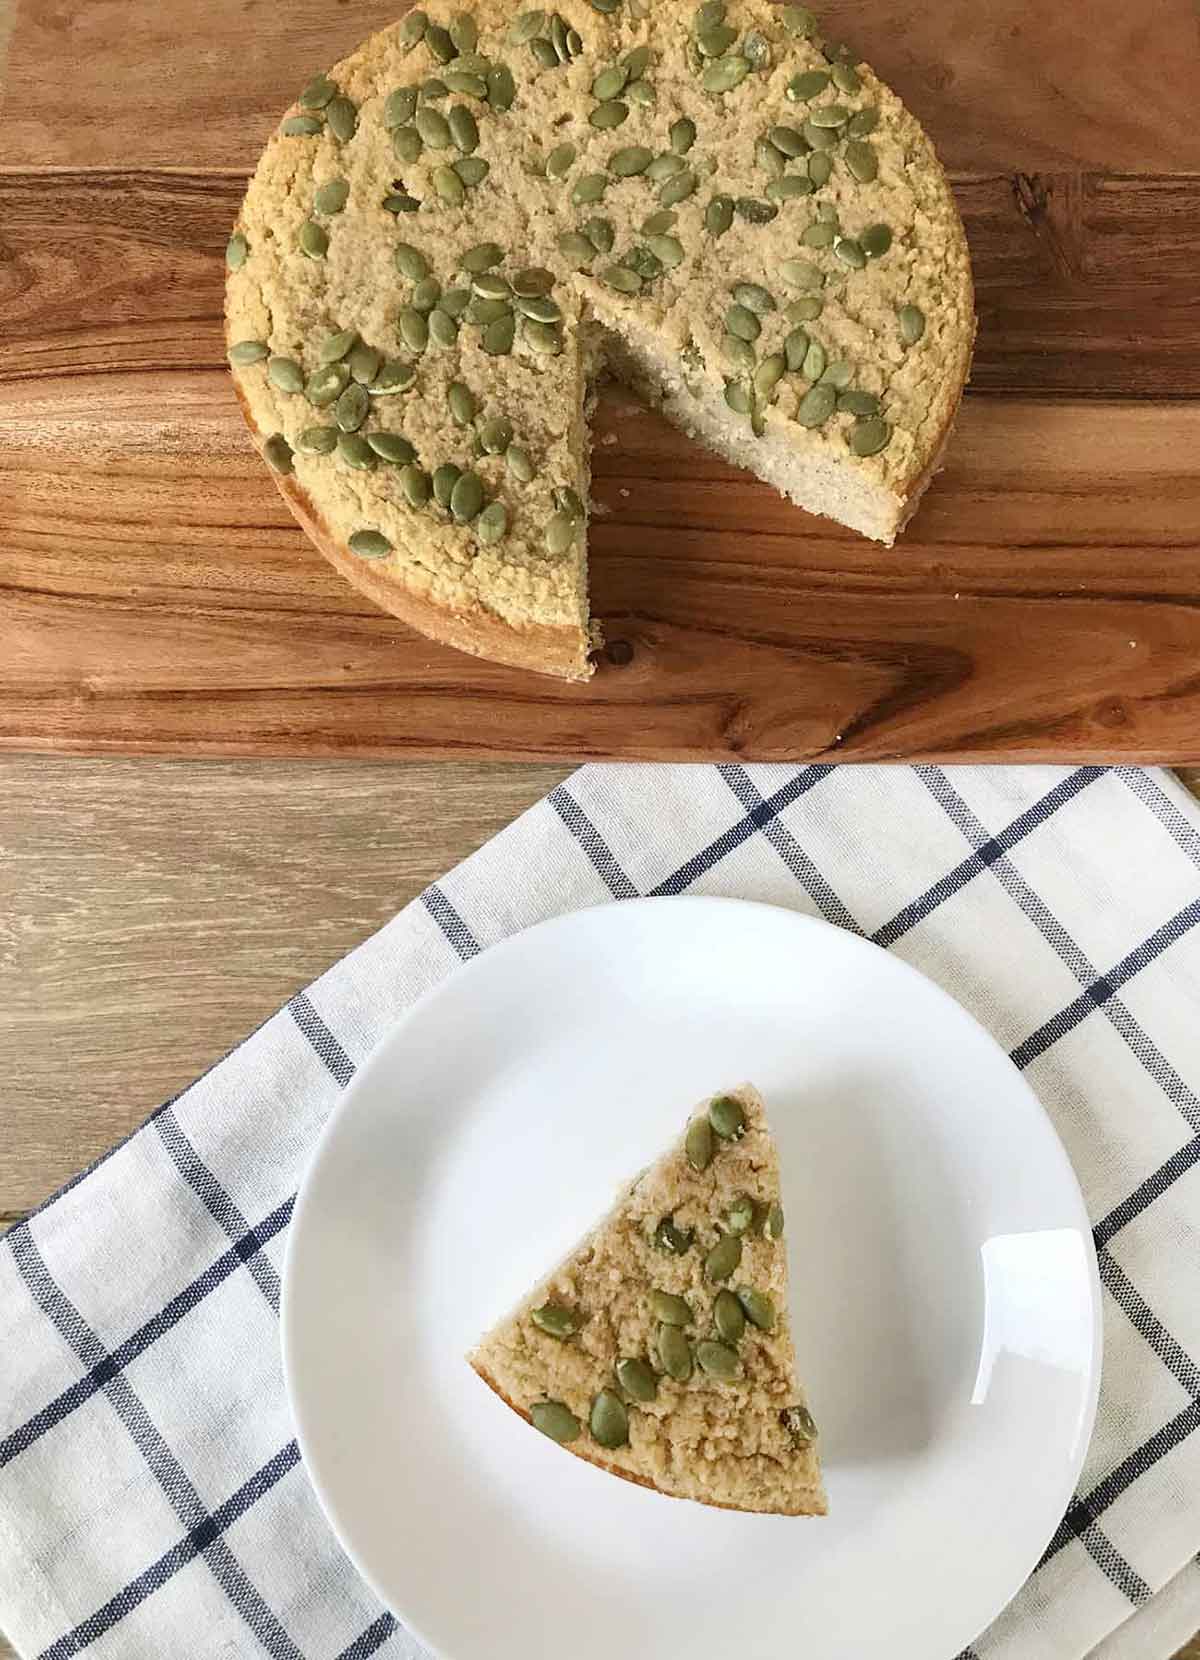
<point>1044,605</point>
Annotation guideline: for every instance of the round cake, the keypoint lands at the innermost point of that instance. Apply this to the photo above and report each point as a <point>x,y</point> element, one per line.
<point>459,227</point>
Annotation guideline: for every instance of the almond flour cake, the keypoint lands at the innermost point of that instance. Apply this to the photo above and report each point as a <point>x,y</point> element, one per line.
<point>458,226</point>
<point>660,1348</point>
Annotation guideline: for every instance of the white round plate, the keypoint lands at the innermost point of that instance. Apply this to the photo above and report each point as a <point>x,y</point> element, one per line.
<point>944,1298</point>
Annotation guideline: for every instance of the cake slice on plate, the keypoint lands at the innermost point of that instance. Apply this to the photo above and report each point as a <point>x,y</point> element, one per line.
<point>660,1348</point>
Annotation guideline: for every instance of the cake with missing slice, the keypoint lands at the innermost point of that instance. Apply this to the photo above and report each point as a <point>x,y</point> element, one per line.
<point>660,1348</point>
<point>454,229</point>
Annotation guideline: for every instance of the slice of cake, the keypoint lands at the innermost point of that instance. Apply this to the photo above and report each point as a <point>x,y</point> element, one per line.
<point>660,1348</point>
<point>455,228</point>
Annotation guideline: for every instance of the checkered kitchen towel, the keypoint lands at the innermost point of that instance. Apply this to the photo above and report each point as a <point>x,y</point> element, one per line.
<point>152,1506</point>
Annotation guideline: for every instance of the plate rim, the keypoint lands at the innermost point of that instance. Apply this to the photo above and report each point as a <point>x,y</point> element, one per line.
<point>469,970</point>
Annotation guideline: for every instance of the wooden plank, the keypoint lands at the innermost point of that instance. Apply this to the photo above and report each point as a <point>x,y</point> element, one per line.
<point>1086,283</point>
<point>1024,87</point>
<point>1045,603</point>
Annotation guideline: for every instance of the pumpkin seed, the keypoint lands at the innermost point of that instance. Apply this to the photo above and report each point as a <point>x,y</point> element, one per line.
<point>317,440</point>
<point>820,167</point>
<point>601,234</point>
<point>341,115</point>
<point>433,127</point>
<point>674,1353</point>
<point>552,1318</point>
<point>482,257</point>
<point>301,126</point>
<point>794,349</point>
<point>472,170</point>
<point>394,376</point>
<point>775,1214</point>
<point>821,138</point>
<point>543,53</point>
<point>636,62</point>
<point>609,83</point>
<point>499,335</point>
<point>248,351</point>
<point>492,524</point>
<point>331,197</point>
<point>483,312</point>
<point>869,436</point>
<point>524,27</point>
<point>412,30</point>
<point>813,366</point>
<point>668,250</point>
<point>462,403</point>
<point>723,74</point>
<point>850,252</point>
<point>393,447</point>
<point>560,161</point>
<point>396,203</point>
<point>399,107</point>
<point>443,330</point>
<point>285,374</point>
<point>861,160</point>
<point>414,329</point>
<point>449,186</point>
<point>799,21</point>
<point>496,435</point>
<point>802,273</point>
<point>875,240</point>
<point>560,532</point>
<point>324,385</point>
<point>426,294</point>
<point>356,452</point>
<point>789,141</point>
<point>912,324</point>
<point>757,48</point>
<point>632,160</point>
<point>501,87</point>
<point>807,85</point>
<point>466,499</point>
<point>539,308</point>
<point>609,115</point>
<point>236,250</point>
<point>799,1423</point>
<point>555,1420</point>
<point>738,352</point>
<point>659,223</point>
<point>708,15</point>
<point>317,93</point>
<point>755,212</point>
<point>724,1257</point>
<point>768,157</point>
<point>445,478</point>
<point>433,90</point>
<point>714,42</point>
<point>846,78</point>
<point>519,463</point>
<point>570,501</point>
<point>440,44</point>
<point>590,188</point>
<point>558,38</point>
<point>636,1379</point>
<point>407,145</point>
<point>718,1360</point>
<point>543,338</point>
<point>675,1242</point>
<point>863,122</point>
<point>623,278</point>
<point>463,32</point>
<point>757,1307</point>
<point>727,1117</point>
<point>641,93</point>
<point>677,189</point>
<point>490,285</point>
<point>754,297</point>
<point>728,1317</point>
<point>838,374</point>
<point>464,129</point>
<point>576,247</point>
<point>352,407</point>
<point>337,346</point>
<point>574,43</point>
<point>718,216</point>
<point>609,1421</point>
<point>414,482</point>
<point>682,135</point>
<point>369,544</point>
<point>741,321</point>
<point>410,262</point>
<point>791,186</point>
<point>805,310</point>
<point>698,1144</point>
<point>741,1214</point>
<point>277,453</point>
<point>820,234</point>
<point>365,364</point>
<point>665,167</point>
<point>816,406</point>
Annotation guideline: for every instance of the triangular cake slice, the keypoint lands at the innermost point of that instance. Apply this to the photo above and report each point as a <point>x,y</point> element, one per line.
<point>660,1348</point>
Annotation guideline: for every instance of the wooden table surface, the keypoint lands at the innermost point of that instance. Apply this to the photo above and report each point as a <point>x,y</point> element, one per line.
<point>1045,603</point>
